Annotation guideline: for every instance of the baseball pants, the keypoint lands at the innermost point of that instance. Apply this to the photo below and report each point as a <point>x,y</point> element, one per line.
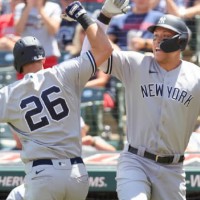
<point>61,180</point>
<point>140,178</point>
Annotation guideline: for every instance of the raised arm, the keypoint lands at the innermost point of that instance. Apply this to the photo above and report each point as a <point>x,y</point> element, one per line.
<point>109,9</point>
<point>189,12</point>
<point>101,48</point>
<point>21,22</point>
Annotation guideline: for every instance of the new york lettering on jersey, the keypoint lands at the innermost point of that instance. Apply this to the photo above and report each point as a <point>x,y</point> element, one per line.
<point>159,90</point>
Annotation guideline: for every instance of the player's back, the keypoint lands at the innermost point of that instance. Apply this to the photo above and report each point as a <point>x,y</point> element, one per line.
<point>44,109</point>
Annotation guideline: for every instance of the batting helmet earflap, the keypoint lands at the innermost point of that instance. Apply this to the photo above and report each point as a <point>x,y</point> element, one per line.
<point>177,25</point>
<point>27,50</point>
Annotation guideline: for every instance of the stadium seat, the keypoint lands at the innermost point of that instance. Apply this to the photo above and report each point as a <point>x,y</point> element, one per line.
<point>6,139</point>
<point>114,117</point>
<point>7,71</point>
<point>92,109</point>
<point>64,56</point>
<point>197,18</point>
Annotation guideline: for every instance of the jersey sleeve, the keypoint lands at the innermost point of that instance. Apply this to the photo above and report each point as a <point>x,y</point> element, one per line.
<point>3,103</point>
<point>122,64</point>
<point>17,193</point>
<point>77,70</point>
<point>86,45</point>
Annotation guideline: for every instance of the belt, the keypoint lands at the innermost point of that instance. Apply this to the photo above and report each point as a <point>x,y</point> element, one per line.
<point>157,158</point>
<point>75,160</point>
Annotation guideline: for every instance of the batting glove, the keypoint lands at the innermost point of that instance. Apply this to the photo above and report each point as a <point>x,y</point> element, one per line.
<point>73,11</point>
<point>115,7</point>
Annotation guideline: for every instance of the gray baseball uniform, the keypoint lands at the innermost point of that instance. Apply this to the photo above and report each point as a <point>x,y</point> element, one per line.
<point>44,110</point>
<point>162,108</point>
<point>17,193</point>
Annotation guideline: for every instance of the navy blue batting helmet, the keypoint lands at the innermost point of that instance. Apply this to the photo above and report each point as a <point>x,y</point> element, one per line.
<point>176,24</point>
<point>27,50</point>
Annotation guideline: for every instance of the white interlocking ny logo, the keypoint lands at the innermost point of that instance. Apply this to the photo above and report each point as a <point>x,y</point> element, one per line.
<point>162,20</point>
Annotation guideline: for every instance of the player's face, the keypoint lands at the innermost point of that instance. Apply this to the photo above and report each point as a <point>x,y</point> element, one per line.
<point>161,34</point>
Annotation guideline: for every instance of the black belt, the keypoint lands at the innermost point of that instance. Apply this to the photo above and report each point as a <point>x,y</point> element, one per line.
<point>157,158</point>
<point>76,160</point>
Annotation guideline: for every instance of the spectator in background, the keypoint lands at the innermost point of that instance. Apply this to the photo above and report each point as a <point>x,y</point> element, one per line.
<point>69,32</point>
<point>66,31</point>
<point>192,9</point>
<point>1,7</point>
<point>188,13</point>
<point>93,143</point>
<point>131,29</point>
<point>162,5</point>
<point>40,19</point>
<point>102,80</point>
<point>8,36</point>
<point>186,9</point>
<point>4,7</point>
<point>74,48</point>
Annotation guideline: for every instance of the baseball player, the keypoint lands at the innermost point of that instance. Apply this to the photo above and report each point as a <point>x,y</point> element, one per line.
<point>17,193</point>
<point>44,109</point>
<point>162,94</point>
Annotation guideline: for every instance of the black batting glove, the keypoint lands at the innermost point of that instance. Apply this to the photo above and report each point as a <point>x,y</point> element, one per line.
<point>75,12</point>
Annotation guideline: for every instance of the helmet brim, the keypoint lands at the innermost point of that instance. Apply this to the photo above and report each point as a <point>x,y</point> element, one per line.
<point>153,27</point>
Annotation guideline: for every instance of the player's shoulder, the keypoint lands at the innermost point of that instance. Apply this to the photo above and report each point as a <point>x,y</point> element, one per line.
<point>71,66</point>
<point>190,68</point>
<point>12,85</point>
<point>66,64</point>
<point>132,57</point>
<point>129,53</point>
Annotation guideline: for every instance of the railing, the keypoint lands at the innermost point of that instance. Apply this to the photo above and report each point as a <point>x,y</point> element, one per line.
<point>7,71</point>
<point>197,18</point>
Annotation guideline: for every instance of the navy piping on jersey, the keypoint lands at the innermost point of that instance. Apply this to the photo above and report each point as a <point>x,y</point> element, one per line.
<point>17,130</point>
<point>94,66</point>
<point>109,67</point>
